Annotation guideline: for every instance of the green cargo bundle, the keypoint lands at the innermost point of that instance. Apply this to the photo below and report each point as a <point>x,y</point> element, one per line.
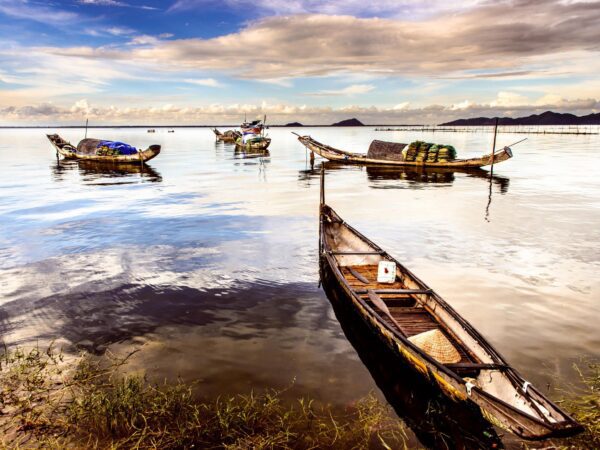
<point>105,151</point>
<point>426,152</point>
<point>432,155</point>
<point>423,151</point>
<point>411,153</point>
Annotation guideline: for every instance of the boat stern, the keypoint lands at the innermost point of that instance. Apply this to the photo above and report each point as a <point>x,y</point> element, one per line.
<point>152,152</point>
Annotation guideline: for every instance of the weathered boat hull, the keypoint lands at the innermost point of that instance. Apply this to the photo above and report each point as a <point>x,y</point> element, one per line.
<point>343,156</point>
<point>261,145</point>
<point>68,151</point>
<point>503,379</point>
<point>432,416</point>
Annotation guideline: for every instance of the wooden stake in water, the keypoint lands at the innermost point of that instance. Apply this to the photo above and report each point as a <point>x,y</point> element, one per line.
<point>86,125</point>
<point>322,184</point>
<point>321,204</point>
<point>494,144</point>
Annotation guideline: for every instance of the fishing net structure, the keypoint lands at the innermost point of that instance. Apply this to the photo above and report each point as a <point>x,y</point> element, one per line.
<point>436,345</point>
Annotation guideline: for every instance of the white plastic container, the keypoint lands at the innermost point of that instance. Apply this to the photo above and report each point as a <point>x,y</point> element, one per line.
<point>386,272</point>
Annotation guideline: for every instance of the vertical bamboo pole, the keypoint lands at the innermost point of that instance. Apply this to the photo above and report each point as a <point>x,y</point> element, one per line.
<point>86,126</point>
<point>321,204</point>
<point>322,184</point>
<point>494,144</point>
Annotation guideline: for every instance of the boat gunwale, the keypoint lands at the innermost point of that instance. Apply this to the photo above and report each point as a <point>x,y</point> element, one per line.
<point>566,426</point>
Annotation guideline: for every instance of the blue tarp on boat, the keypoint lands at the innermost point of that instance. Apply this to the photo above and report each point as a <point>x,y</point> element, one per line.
<point>124,149</point>
<point>102,147</point>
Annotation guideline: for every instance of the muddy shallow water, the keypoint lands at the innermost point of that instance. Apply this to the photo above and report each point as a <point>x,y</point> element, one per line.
<point>207,261</point>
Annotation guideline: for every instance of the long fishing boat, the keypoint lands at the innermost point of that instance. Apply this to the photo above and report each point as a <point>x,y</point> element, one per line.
<point>391,154</point>
<point>426,333</point>
<point>102,151</point>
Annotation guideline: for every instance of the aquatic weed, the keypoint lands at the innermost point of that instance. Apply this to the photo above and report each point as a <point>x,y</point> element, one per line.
<point>584,405</point>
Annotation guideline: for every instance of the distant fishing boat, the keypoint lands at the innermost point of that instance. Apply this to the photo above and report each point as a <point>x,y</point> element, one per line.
<point>254,127</point>
<point>256,144</point>
<point>396,154</point>
<point>229,136</point>
<point>99,150</point>
<point>426,333</point>
<point>151,130</point>
<point>253,137</point>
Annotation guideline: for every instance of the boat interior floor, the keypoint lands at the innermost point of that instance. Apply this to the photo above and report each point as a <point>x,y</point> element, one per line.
<point>410,316</point>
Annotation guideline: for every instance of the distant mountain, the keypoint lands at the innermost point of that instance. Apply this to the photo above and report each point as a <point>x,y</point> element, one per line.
<point>294,124</point>
<point>547,118</point>
<point>349,123</point>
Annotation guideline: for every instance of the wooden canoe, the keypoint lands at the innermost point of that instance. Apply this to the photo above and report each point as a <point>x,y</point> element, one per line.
<point>344,156</point>
<point>258,145</point>
<point>480,376</point>
<point>69,151</point>
<point>230,136</point>
<point>436,421</point>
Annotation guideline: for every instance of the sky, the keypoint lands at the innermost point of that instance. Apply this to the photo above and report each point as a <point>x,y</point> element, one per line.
<point>312,61</point>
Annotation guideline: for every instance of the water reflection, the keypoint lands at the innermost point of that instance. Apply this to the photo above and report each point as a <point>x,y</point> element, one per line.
<point>248,154</point>
<point>93,171</point>
<point>437,422</point>
<point>96,264</point>
<point>413,175</point>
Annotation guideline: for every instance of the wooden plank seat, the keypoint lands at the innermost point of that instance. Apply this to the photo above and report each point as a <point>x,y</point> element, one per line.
<point>369,273</point>
<point>396,291</point>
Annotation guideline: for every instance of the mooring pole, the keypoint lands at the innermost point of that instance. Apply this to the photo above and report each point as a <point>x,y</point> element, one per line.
<point>494,145</point>
<point>322,185</point>
<point>321,204</point>
<point>86,125</point>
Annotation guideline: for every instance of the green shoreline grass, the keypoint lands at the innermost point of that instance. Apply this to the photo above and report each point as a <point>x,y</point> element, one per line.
<point>49,402</point>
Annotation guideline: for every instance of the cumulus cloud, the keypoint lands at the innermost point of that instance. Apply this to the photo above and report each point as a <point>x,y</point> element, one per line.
<point>279,113</point>
<point>493,37</point>
<point>461,105</point>
<point>401,106</point>
<point>510,99</point>
<point>500,41</point>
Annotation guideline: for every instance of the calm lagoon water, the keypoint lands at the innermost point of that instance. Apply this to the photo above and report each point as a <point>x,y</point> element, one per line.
<point>207,260</point>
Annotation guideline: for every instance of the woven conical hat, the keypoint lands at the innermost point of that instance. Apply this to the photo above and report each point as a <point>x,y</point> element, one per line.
<point>436,345</point>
